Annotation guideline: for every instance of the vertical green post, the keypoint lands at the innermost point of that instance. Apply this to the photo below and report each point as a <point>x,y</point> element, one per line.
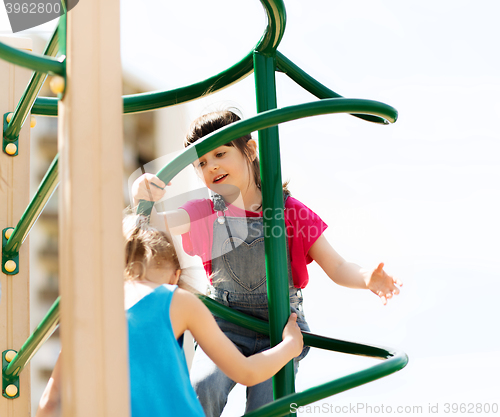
<point>274,223</point>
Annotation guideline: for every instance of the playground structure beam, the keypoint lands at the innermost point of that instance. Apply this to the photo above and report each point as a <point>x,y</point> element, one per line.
<point>91,256</point>
<point>14,197</point>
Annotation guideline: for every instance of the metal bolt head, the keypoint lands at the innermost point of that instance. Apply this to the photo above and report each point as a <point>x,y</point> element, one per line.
<point>10,266</point>
<point>57,85</point>
<point>8,233</point>
<point>11,354</point>
<point>11,149</point>
<point>11,390</point>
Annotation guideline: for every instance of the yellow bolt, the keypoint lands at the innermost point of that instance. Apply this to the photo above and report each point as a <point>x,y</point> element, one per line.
<point>9,117</point>
<point>8,233</point>
<point>57,85</point>
<point>11,390</point>
<point>10,355</point>
<point>10,266</point>
<point>32,122</point>
<point>11,149</point>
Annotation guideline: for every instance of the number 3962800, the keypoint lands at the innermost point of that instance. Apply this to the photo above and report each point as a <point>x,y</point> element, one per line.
<point>33,8</point>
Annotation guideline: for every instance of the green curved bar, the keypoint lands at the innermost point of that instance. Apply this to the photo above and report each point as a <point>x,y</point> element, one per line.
<point>282,406</point>
<point>276,22</point>
<point>394,361</point>
<point>135,103</point>
<point>44,330</point>
<point>29,96</point>
<point>314,87</point>
<point>235,316</point>
<point>264,120</point>
<point>37,204</point>
<point>32,61</point>
<point>310,339</point>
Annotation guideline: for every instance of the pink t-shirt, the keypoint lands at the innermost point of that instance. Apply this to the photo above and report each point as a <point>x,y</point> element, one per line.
<point>302,224</point>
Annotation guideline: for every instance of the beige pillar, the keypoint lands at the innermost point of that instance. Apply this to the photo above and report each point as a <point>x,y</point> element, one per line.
<point>14,198</point>
<point>93,326</point>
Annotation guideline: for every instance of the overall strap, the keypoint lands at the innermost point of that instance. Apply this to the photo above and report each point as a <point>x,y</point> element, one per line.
<point>220,205</point>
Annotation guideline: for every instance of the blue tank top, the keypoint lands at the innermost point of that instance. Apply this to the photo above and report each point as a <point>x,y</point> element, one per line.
<point>159,377</point>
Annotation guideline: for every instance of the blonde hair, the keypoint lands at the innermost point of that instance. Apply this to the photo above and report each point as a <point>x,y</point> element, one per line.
<point>143,244</point>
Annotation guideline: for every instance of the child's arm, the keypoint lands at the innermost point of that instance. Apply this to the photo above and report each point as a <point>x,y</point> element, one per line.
<point>50,403</point>
<point>351,275</point>
<point>150,188</point>
<point>187,312</point>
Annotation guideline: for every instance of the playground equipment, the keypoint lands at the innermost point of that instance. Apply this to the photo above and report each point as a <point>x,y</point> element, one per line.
<point>106,313</point>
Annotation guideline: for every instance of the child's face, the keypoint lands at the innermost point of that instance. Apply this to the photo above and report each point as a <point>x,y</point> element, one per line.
<point>225,170</point>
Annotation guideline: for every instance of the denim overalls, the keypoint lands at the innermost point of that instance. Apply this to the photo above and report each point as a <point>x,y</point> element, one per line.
<point>239,282</point>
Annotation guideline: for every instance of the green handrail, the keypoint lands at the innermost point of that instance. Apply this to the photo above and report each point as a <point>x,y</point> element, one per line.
<point>29,96</point>
<point>32,61</point>
<point>265,120</point>
<point>314,87</point>
<point>37,204</point>
<point>44,330</point>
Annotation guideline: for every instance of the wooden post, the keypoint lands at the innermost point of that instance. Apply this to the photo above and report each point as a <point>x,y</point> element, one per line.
<point>14,198</point>
<point>93,326</point>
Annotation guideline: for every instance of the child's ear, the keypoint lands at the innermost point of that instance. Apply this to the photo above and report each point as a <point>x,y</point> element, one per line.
<point>253,148</point>
<point>177,275</point>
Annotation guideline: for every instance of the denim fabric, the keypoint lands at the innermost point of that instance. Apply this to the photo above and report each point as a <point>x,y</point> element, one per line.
<point>239,282</point>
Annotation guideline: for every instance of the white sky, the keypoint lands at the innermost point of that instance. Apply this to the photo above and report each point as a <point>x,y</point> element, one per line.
<point>422,195</point>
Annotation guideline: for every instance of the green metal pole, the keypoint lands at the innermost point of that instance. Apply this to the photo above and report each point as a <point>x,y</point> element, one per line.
<point>32,61</point>
<point>44,330</point>
<point>29,96</point>
<point>37,204</point>
<point>274,223</point>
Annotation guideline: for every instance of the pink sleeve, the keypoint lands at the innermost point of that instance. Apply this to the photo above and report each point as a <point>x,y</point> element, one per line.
<point>304,227</point>
<point>198,240</point>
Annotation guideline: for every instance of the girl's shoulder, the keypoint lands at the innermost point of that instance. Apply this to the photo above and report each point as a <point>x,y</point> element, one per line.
<point>292,202</point>
<point>296,211</point>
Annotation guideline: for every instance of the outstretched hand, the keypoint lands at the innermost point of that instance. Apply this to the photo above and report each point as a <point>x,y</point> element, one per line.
<point>292,333</point>
<point>383,284</point>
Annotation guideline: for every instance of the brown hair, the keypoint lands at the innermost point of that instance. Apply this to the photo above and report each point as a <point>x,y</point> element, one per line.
<point>210,122</point>
<point>144,244</point>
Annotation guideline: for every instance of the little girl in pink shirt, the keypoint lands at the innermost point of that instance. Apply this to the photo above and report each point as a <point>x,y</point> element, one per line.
<point>227,232</point>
